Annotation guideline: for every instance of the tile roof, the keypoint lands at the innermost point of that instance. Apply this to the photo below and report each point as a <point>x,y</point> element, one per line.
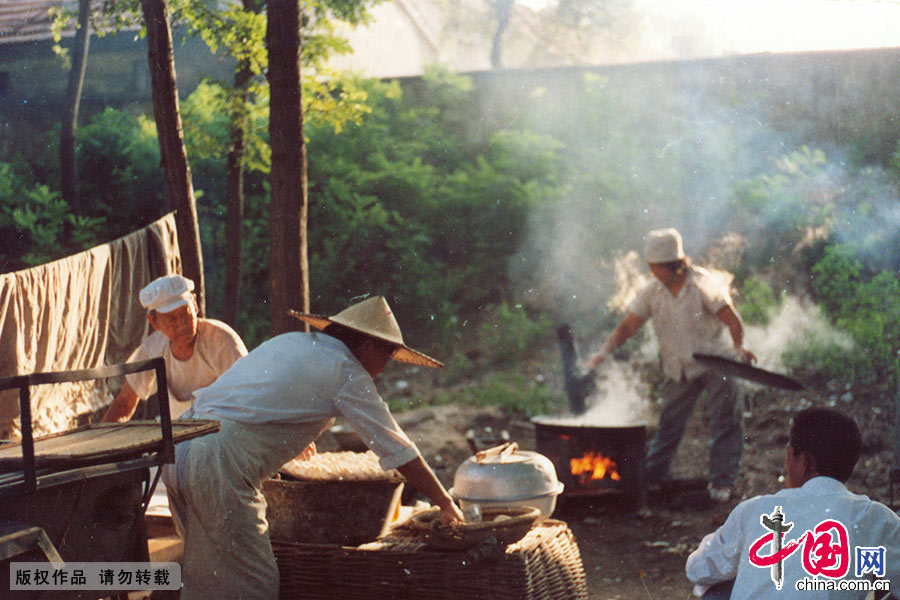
<point>29,20</point>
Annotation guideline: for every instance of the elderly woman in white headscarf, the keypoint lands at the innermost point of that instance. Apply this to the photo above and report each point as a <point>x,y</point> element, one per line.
<point>272,404</point>
<point>692,311</point>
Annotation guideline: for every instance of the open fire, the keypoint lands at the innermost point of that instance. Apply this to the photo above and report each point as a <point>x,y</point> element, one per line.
<point>591,460</point>
<point>593,465</point>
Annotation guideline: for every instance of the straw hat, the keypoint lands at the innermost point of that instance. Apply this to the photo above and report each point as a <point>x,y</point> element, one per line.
<point>663,245</point>
<point>375,318</point>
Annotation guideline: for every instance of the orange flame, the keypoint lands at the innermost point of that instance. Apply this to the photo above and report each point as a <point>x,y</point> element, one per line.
<point>593,465</point>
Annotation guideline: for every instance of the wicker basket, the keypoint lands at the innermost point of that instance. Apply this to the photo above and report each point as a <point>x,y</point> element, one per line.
<point>330,512</point>
<point>501,525</point>
<point>544,565</point>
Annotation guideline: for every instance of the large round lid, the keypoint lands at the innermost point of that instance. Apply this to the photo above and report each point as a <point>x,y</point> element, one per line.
<point>505,474</point>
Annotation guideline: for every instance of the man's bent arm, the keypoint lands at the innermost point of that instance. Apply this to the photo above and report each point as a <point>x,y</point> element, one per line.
<point>421,477</point>
<point>123,407</point>
<point>626,328</point>
<point>732,321</point>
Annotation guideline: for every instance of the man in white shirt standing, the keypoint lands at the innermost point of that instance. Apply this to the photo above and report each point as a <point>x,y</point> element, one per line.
<point>271,405</point>
<point>813,540</point>
<point>691,310</point>
<point>196,351</point>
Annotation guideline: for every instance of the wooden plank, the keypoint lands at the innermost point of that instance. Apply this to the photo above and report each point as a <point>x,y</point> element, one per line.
<point>110,441</point>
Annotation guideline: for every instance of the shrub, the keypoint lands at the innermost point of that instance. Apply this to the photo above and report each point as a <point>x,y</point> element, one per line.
<point>515,394</point>
<point>866,307</point>
<point>758,301</point>
<point>41,223</point>
<point>510,333</point>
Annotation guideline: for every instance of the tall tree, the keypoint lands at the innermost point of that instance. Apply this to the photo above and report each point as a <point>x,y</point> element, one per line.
<point>502,9</point>
<point>234,193</point>
<point>171,141</point>
<point>288,206</point>
<point>67,160</point>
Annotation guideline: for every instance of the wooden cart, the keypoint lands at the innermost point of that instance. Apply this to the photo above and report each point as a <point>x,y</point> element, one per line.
<point>80,495</point>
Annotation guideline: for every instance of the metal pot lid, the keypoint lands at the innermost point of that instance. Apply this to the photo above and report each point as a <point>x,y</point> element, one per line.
<point>504,473</point>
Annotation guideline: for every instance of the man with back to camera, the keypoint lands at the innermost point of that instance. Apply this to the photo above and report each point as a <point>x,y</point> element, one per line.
<point>196,351</point>
<point>831,536</point>
<point>271,405</point>
<point>691,309</point>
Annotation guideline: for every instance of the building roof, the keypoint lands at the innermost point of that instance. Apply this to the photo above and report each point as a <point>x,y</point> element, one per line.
<point>28,20</point>
<point>31,20</point>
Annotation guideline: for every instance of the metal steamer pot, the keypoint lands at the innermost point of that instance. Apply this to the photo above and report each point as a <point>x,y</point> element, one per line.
<point>505,476</point>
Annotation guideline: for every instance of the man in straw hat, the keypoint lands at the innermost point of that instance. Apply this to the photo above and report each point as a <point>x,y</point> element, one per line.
<point>691,310</point>
<point>272,404</point>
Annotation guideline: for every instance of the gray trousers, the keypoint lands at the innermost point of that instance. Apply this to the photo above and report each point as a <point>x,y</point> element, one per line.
<point>725,428</point>
<point>214,490</point>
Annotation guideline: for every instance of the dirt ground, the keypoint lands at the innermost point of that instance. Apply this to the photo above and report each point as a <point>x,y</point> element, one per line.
<point>641,555</point>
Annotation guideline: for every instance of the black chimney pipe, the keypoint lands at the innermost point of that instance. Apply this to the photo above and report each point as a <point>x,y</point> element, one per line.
<point>579,385</point>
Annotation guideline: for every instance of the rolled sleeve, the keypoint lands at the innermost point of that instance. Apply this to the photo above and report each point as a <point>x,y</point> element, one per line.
<point>362,406</point>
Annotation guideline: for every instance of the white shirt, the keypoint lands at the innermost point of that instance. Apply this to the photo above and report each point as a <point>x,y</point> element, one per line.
<point>725,554</point>
<point>304,377</point>
<point>687,323</point>
<point>215,350</point>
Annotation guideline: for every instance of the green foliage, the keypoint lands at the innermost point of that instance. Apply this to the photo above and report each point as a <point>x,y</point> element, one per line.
<point>778,208</point>
<point>758,301</point>
<point>817,357</point>
<point>408,204</point>
<point>834,279</point>
<point>866,307</point>
<point>119,176</point>
<point>456,368</point>
<point>41,223</point>
<point>119,171</point>
<point>509,333</point>
<point>515,394</point>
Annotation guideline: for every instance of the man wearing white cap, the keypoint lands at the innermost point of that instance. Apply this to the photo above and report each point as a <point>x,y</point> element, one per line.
<point>196,350</point>
<point>691,310</point>
<point>272,404</point>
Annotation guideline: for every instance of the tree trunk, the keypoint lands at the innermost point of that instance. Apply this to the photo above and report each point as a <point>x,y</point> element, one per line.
<point>171,142</point>
<point>502,10</point>
<point>67,159</point>
<point>234,195</point>
<point>288,263</point>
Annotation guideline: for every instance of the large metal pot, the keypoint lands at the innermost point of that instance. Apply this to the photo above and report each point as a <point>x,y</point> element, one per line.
<point>505,476</point>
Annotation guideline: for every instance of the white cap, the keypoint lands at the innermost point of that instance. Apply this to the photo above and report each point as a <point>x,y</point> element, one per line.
<point>165,294</point>
<point>663,245</point>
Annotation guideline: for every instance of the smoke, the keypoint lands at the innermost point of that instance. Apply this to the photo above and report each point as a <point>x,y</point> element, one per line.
<point>796,320</point>
<point>621,397</point>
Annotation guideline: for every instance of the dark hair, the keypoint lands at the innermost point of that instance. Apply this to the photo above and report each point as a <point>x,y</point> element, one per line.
<point>829,436</point>
<point>676,267</point>
<point>354,339</point>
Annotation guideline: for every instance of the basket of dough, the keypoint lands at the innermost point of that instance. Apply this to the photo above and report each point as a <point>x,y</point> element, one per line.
<point>341,498</point>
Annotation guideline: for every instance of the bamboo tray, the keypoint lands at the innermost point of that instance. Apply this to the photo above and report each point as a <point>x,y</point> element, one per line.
<point>543,565</point>
<point>101,442</point>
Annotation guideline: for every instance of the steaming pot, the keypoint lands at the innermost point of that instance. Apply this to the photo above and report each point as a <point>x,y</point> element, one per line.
<point>505,476</point>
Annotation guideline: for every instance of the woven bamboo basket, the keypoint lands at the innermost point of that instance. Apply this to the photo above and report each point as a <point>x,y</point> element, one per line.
<point>544,565</point>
